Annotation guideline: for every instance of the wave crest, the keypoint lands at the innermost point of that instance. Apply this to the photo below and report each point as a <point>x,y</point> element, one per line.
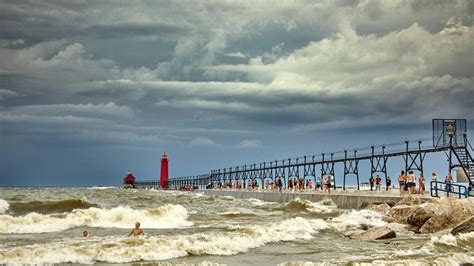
<point>154,248</point>
<point>167,216</point>
<point>297,205</point>
<point>46,207</point>
<point>462,240</point>
<point>3,206</point>
<point>357,219</point>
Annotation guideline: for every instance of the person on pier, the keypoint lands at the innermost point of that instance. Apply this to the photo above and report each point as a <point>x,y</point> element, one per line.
<point>378,183</point>
<point>421,184</point>
<point>402,182</point>
<point>328,184</point>
<point>319,184</point>
<point>411,182</point>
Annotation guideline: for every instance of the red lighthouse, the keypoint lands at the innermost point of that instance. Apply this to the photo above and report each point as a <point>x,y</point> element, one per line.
<point>164,171</point>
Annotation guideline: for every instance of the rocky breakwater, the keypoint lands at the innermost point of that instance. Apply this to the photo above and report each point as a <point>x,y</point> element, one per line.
<point>411,216</point>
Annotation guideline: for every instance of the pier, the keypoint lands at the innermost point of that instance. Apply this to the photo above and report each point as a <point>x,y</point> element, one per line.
<point>343,199</point>
<point>449,136</point>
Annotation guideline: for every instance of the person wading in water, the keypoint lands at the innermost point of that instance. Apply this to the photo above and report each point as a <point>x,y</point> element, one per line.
<point>136,231</point>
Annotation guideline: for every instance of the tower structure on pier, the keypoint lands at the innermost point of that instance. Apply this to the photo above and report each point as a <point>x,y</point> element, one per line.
<point>164,171</point>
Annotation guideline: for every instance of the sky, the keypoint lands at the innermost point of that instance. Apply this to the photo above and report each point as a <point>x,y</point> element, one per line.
<point>90,89</point>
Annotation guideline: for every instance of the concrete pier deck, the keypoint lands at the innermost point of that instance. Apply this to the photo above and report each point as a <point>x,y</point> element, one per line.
<point>349,199</point>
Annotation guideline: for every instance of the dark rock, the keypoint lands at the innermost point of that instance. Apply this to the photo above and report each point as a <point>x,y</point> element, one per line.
<point>381,208</point>
<point>378,233</point>
<point>410,201</point>
<point>424,212</point>
<point>366,204</point>
<point>388,219</point>
<point>401,213</point>
<point>465,226</point>
<point>435,224</point>
<point>364,227</point>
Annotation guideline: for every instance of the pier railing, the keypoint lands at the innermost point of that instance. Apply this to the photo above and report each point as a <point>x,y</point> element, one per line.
<point>449,188</point>
<point>449,136</point>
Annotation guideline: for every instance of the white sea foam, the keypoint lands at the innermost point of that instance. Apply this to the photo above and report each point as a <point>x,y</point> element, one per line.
<point>167,216</point>
<point>451,259</point>
<point>448,239</point>
<point>258,202</point>
<point>239,211</point>
<point>229,213</point>
<point>324,206</point>
<point>4,206</point>
<point>101,188</point>
<point>152,248</point>
<point>228,197</point>
<point>356,218</point>
<point>451,240</point>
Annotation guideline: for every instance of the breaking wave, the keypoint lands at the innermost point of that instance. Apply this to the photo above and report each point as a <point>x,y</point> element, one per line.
<point>357,219</point>
<point>237,239</point>
<point>3,206</point>
<point>102,188</point>
<point>258,202</point>
<point>460,241</point>
<point>46,207</point>
<point>167,216</point>
<point>297,205</point>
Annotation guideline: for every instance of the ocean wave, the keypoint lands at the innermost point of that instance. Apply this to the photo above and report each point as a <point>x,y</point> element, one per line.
<point>238,212</point>
<point>258,202</point>
<point>357,219</point>
<point>167,216</point>
<point>46,207</point>
<point>227,197</point>
<point>4,206</point>
<point>465,240</point>
<point>238,239</point>
<point>102,188</point>
<point>451,259</point>
<point>244,212</point>
<point>297,205</point>
<point>438,259</point>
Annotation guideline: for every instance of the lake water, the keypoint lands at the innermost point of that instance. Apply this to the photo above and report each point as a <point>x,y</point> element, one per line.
<point>45,226</point>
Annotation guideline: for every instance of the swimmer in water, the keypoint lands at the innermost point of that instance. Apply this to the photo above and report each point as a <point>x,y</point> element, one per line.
<point>85,234</point>
<point>136,231</point>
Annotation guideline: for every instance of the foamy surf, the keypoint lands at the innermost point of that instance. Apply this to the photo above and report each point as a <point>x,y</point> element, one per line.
<point>46,207</point>
<point>3,206</point>
<point>167,216</point>
<point>357,218</point>
<point>324,206</point>
<point>258,202</point>
<point>465,240</point>
<point>102,188</point>
<point>239,239</point>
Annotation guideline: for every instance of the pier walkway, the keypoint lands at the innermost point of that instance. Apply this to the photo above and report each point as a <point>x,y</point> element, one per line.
<point>348,199</point>
<point>449,137</point>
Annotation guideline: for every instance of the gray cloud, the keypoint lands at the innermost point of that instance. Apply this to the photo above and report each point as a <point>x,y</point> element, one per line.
<point>227,77</point>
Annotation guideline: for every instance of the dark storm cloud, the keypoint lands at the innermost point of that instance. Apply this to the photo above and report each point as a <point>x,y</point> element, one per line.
<point>226,76</point>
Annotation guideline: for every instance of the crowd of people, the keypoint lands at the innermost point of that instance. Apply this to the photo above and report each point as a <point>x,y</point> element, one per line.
<point>408,184</point>
<point>294,185</point>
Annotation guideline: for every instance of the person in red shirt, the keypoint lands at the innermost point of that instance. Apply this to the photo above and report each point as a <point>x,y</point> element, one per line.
<point>378,182</point>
